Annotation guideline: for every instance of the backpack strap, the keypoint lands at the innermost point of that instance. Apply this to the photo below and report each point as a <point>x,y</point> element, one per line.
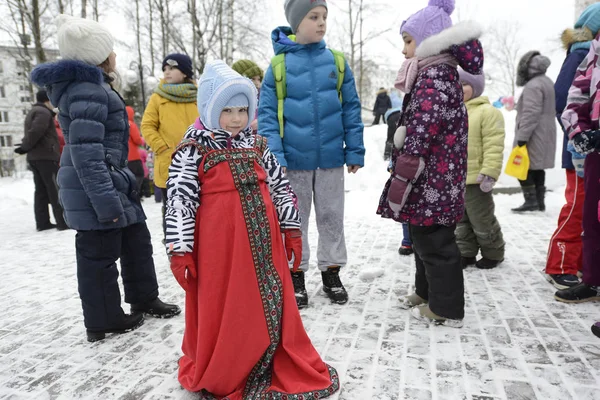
<point>340,62</point>
<point>278,67</point>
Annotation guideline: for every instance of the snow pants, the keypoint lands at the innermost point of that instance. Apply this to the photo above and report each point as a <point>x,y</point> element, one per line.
<point>479,228</point>
<point>326,188</point>
<point>439,276</point>
<point>591,225</point>
<point>565,249</point>
<point>97,253</point>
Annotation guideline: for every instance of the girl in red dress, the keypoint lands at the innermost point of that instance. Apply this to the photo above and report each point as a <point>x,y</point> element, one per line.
<point>228,205</point>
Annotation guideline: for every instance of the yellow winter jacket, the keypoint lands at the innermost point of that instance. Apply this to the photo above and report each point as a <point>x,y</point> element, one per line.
<point>163,126</point>
<point>486,139</point>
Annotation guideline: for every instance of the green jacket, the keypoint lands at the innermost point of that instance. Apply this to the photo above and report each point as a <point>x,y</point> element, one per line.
<point>486,139</point>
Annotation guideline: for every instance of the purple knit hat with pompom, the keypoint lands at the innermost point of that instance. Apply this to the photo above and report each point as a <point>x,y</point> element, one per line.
<point>429,21</point>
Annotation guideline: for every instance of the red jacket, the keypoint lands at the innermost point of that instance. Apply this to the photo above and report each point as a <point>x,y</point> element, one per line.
<point>135,139</point>
<point>61,137</point>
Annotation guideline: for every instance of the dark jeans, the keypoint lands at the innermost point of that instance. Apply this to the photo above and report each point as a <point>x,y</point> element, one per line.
<point>164,210</point>
<point>377,118</point>
<point>439,276</point>
<point>46,192</point>
<point>97,253</point>
<point>535,177</point>
<point>406,235</point>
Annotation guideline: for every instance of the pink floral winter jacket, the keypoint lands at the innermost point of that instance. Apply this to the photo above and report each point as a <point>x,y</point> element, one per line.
<point>436,124</point>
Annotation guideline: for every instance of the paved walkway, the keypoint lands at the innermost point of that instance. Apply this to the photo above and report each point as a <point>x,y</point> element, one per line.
<point>517,342</point>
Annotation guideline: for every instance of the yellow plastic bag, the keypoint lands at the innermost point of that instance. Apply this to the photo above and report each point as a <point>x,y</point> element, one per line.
<point>518,163</point>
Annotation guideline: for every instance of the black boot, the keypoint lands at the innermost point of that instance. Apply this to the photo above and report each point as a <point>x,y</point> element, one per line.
<point>541,197</point>
<point>405,250</point>
<point>486,263</point>
<point>387,152</point>
<point>128,323</point>
<point>156,308</point>
<point>333,287</point>
<point>300,289</point>
<point>467,261</point>
<point>531,202</point>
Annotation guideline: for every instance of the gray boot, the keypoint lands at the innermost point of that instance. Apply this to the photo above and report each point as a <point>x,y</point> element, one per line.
<point>531,200</point>
<point>541,195</point>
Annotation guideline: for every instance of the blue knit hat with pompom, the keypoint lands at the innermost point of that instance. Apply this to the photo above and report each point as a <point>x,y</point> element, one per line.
<point>429,21</point>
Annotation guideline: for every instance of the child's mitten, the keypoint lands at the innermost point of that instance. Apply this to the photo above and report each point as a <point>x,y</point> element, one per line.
<point>407,171</point>
<point>587,141</point>
<point>578,159</point>
<point>486,183</point>
<point>293,246</point>
<point>183,268</point>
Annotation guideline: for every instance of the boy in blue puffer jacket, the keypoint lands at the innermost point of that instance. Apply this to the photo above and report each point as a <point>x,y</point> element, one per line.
<point>321,131</point>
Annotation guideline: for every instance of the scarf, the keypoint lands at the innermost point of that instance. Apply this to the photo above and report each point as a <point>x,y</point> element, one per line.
<point>407,76</point>
<point>178,93</point>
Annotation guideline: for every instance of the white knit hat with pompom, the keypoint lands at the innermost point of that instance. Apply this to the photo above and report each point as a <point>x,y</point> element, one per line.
<point>83,39</point>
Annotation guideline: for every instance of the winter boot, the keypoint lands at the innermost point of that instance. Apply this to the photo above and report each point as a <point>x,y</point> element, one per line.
<point>156,308</point>
<point>486,263</point>
<point>300,289</point>
<point>578,294</point>
<point>541,197</point>
<point>405,250</point>
<point>332,286</point>
<point>468,261</point>
<point>128,323</point>
<point>563,281</point>
<point>411,301</point>
<point>424,313</point>
<point>596,329</point>
<point>387,152</point>
<point>531,202</point>
<point>46,227</point>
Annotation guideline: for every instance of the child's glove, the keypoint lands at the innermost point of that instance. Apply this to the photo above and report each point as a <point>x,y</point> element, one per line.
<point>293,246</point>
<point>578,159</point>
<point>586,142</point>
<point>183,268</point>
<point>521,143</point>
<point>486,183</point>
<point>408,169</point>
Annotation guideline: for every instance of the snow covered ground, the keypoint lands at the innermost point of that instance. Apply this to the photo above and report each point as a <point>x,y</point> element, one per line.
<point>517,342</point>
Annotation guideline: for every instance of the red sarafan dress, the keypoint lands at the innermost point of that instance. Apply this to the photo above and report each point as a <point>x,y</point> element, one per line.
<point>244,337</point>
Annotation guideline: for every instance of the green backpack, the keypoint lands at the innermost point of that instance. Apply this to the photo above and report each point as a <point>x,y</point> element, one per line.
<point>278,67</point>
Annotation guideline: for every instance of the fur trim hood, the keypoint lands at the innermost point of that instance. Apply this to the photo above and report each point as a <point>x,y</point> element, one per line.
<point>571,36</point>
<point>532,64</point>
<point>453,36</point>
<point>66,71</point>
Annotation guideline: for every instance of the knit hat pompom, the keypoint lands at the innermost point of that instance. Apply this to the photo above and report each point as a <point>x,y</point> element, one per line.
<point>446,5</point>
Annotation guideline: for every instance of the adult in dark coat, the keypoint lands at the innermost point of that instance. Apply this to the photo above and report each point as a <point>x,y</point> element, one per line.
<point>42,147</point>
<point>97,189</point>
<point>382,104</point>
<point>536,127</point>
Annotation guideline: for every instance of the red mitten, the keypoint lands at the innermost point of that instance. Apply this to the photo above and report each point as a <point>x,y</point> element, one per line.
<point>183,268</point>
<point>407,170</point>
<point>293,245</point>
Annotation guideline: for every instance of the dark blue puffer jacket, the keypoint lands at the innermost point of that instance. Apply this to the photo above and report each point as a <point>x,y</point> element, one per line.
<point>561,88</point>
<point>319,132</point>
<point>95,184</point>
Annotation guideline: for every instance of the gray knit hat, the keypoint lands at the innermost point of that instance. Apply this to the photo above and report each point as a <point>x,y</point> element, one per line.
<point>296,10</point>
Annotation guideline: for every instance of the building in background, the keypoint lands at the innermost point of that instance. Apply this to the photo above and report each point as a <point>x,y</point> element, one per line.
<point>16,97</point>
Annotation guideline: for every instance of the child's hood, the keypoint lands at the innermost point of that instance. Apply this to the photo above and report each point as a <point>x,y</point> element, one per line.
<point>478,101</point>
<point>284,41</point>
<point>57,76</point>
<point>130,113</point>
<point>462,41</point>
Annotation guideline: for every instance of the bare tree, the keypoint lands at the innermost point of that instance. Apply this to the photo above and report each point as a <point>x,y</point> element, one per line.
<point>151,34</point>
<point>503,50</point>
<point>83,8</point>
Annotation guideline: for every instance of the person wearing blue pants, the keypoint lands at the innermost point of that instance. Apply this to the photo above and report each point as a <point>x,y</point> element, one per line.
<point>406,246</point>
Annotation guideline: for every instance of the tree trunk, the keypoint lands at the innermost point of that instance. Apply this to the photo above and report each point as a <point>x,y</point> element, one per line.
<point>221,29</point>
<point>230,31</point>
<point>61,7</point>
<point>95,10</point>
<point>581,5</point>
<point>362,45</point>
<point>83,8</point>
<point>36,31</point>
<point>351,34</point>
<point>151,33</point>
<point>138,29</point>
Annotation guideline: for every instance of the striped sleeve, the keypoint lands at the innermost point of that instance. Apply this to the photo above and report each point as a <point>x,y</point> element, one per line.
<point>183,199</point>
<point>284,198</point>
<point>577,115</point>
